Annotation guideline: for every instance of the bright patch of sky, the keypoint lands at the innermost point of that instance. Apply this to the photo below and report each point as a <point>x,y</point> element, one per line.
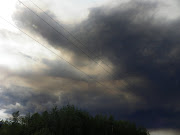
<point>69,11</point>
<point>164,132</point>
<point>3,114</point>
<point>7,7</point>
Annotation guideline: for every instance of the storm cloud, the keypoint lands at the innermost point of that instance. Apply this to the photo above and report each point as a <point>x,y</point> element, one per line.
<point>142,49</point>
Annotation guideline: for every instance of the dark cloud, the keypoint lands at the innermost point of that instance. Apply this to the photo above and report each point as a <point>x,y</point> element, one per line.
<point>157,118</point>
<point>132,37</point>
<point>88,96</point>
<point>137,43</point>
<point>63,70</point>
<point>25,99</point>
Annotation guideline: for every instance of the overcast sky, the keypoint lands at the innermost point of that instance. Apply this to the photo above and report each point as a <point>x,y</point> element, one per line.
<point>119,57</point>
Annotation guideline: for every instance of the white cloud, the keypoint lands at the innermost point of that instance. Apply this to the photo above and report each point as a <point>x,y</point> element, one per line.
<point>3,115</point>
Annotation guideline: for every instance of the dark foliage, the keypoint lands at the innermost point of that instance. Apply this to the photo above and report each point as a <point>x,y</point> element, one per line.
<point>68,121</point>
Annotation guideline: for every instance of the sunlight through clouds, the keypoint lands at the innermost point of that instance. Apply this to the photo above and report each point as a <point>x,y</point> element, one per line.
<point>7,7</point>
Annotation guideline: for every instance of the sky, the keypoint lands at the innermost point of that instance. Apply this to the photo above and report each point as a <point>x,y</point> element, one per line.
<point>119,57</point>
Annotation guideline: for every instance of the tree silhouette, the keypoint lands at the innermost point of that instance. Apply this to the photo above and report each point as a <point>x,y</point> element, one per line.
<point>68,120</point>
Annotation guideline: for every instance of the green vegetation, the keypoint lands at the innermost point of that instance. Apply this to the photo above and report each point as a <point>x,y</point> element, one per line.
<point>68,121</point>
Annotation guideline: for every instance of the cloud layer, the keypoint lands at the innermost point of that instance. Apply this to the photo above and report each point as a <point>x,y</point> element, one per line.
<point>141,49</point>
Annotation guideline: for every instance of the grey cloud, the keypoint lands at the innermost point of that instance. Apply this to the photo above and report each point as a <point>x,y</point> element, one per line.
<point>49,30</point>
<point>137,43</point>
<point>142,44</point>
<point>25,99</point>
<point>63,70</point>
<point>90,97</point>
<point>52,33</point>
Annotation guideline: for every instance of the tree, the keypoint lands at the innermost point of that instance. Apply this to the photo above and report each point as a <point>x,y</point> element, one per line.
<point>68,120</point>
<point>15,116</point>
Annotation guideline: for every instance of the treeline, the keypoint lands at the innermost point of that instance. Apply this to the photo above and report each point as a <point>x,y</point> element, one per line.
<point>68,120</point>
